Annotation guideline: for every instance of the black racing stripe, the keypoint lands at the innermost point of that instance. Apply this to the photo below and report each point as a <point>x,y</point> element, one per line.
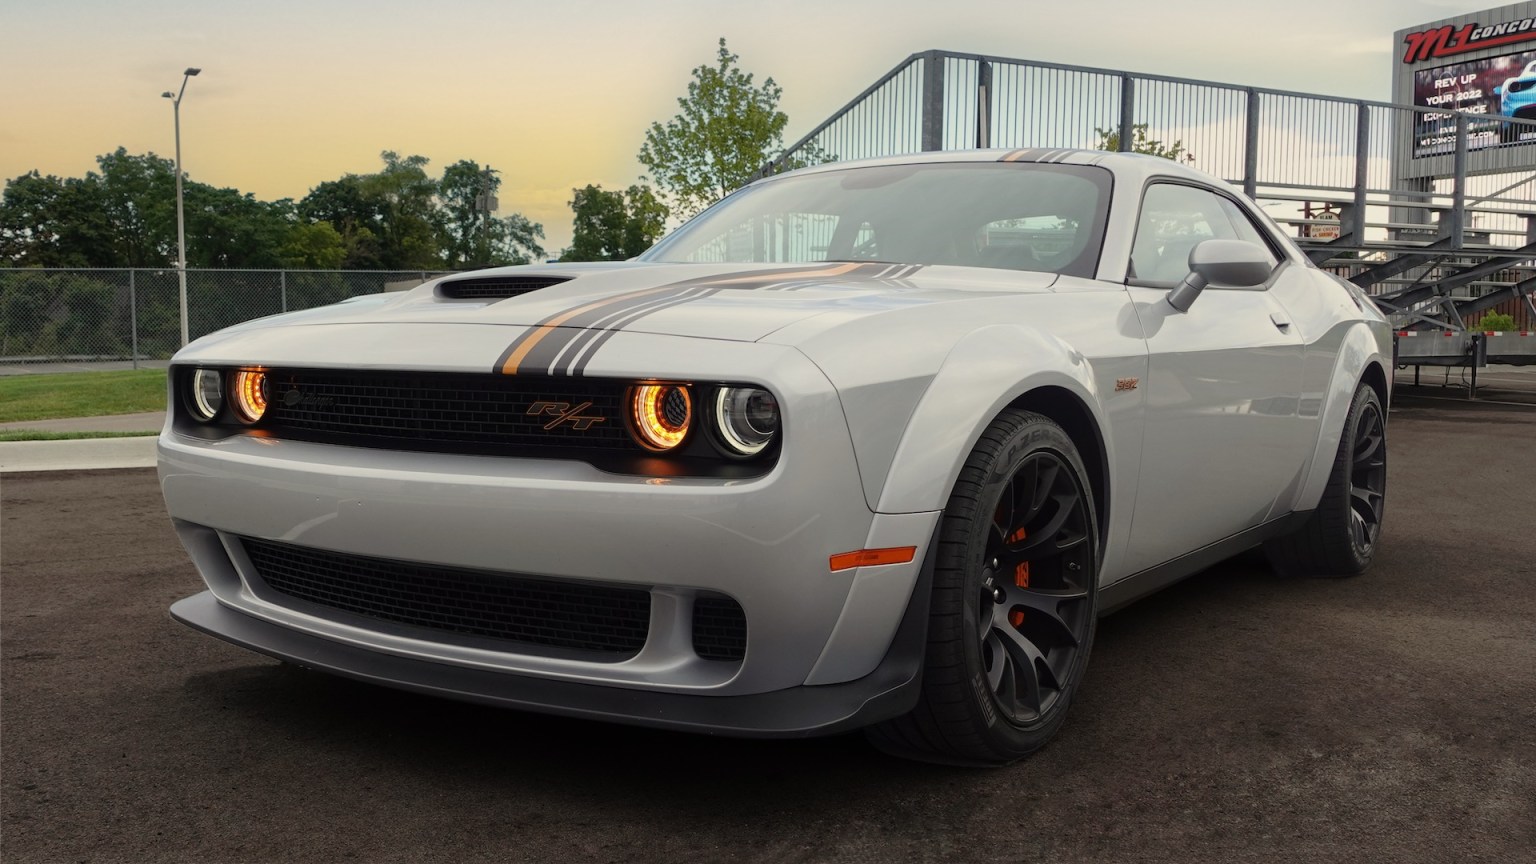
<point>550,345</point>
<point>553,320</point>
<point>595,339</point>
<point>573,349</point>
<point>1027,154</point>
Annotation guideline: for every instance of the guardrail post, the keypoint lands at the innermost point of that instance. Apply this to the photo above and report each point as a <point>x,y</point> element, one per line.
<point>933,101</point>
<point>1459,190</point>
<point>983,104</point>
<point>133,316</point>
<point>1251,145</point>
<point>1127,112</point>
<point>1362,169</point>
<point>1479,358</point>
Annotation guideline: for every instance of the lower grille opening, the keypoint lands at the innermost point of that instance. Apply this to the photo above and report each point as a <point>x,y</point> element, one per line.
<point>482,604</point>
<point>719,628</point>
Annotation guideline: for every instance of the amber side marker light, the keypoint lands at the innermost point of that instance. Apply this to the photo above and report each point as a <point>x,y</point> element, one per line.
<point>872,557</point>
<point>249,394</point>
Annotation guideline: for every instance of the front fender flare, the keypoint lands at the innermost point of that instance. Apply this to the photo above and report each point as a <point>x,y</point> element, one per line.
<point>987,370</point>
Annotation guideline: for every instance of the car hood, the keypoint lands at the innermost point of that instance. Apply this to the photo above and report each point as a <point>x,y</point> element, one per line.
<point>736,302</point>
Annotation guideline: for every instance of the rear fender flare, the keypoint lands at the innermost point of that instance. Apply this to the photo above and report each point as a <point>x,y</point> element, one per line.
<point>1358,350</point>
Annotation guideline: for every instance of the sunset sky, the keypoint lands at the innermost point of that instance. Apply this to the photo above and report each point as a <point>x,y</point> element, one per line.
<point>557,95</point>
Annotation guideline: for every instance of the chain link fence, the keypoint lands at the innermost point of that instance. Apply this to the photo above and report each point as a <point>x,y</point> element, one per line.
<point>56,315</point>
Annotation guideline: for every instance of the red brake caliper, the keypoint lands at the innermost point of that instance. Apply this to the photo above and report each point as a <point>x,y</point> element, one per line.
<point>1020,577</point>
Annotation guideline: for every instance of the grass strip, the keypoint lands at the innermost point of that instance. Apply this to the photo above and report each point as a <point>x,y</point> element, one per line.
<point>50,396</point>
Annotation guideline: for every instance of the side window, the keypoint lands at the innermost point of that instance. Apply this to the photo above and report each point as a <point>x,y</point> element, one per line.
<point>1242,225</point>
<point>1174,218</point>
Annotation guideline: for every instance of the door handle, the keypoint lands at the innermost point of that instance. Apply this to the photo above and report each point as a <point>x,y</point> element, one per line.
<point>1279,321</point>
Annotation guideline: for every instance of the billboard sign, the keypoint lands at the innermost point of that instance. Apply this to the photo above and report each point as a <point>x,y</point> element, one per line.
<point>1447,41</point>
<point>1497,87</point>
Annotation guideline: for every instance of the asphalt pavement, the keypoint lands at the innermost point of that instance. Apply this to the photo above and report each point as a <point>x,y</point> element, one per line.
<point>1234,717</point>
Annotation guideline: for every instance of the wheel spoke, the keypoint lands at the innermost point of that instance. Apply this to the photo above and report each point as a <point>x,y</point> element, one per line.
<point>1367,446</point>
<point>1042,482</point>
<point>1048,532</point>
<point>1026,673</point>
<point>1047,604</point>
<point>1357,529</point>
<point>999,664</point>
<point>1367,502</point>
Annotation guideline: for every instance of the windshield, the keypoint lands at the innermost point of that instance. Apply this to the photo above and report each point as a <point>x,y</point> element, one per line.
<point>1010,216</point>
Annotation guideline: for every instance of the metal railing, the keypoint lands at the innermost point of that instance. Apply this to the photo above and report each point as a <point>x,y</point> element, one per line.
<point>1423,207</point>
<point>53,315</point>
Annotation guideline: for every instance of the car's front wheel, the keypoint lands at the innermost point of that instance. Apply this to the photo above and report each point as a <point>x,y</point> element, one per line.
<point>1014,601</point>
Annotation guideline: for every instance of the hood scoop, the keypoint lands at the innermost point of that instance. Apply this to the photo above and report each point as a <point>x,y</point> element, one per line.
<point>495,287</point>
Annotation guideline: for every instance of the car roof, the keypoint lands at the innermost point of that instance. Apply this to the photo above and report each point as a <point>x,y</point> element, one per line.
<point>1126,166</point>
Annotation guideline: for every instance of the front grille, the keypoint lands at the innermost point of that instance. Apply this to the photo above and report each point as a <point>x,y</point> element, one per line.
<point>435,410</point>
<point>456,601</point>
<point>495,287</point>
<point>719,628</point>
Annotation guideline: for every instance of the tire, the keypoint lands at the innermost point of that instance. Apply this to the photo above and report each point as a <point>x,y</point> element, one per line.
<point>1014,605</point>
<point>1339,538</point>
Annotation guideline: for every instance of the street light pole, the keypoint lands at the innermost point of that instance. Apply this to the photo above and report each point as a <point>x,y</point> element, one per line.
<point>181,229</point>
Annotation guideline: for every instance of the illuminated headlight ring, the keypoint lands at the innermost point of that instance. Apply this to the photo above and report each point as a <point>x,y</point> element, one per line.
<point>248,394</point>
<point>661,415</point>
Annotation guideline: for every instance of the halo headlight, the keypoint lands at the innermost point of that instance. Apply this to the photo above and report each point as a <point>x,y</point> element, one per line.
<point>207,395</point>
<point>661,415</point>
<point>249,394</point>
<point>747,419</point>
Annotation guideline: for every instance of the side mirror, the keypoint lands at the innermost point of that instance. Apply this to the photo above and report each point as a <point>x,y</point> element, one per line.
<point>1223,263</point>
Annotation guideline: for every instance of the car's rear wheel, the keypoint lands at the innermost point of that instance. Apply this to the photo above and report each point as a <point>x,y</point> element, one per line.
<point>1339,538</point>
<point>1014,601</point>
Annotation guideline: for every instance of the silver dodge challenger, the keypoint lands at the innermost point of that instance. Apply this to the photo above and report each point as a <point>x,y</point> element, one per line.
<point>867,445</point>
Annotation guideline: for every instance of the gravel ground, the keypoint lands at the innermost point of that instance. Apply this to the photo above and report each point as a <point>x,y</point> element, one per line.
<point>1234,717</point>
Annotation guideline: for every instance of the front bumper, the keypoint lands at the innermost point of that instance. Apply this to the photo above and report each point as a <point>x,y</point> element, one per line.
<point>763,542</point>
<point>890,690</point>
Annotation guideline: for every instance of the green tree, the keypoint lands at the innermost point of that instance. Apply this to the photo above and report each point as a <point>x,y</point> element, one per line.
<point>1141,142</point>
<point>409,222</point>
<point>352,215</point>
<point>614,226</point>
<point>467,192</point>
<point>727,129</point>
<point>313,246</point>
<point>515,240</point>
<point>53,222</point>
<point>228,229</point>
<point>139,201</point>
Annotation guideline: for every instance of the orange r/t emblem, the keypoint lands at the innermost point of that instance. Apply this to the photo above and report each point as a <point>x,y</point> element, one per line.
<point>564,413</point>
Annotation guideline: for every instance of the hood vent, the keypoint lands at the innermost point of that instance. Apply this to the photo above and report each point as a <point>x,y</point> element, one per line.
<point>495,287</point>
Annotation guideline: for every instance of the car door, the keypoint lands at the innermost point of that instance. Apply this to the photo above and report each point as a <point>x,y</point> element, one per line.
<point>1223,439</point>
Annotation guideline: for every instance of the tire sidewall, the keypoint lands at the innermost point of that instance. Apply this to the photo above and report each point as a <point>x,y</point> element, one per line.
<point>1365,397</point>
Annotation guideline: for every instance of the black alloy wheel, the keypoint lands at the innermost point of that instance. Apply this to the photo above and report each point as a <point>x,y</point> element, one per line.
<point>1032,612</point>
<point>1014,601</point>
<point>1367,478</point>
<point>1339,537</point>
